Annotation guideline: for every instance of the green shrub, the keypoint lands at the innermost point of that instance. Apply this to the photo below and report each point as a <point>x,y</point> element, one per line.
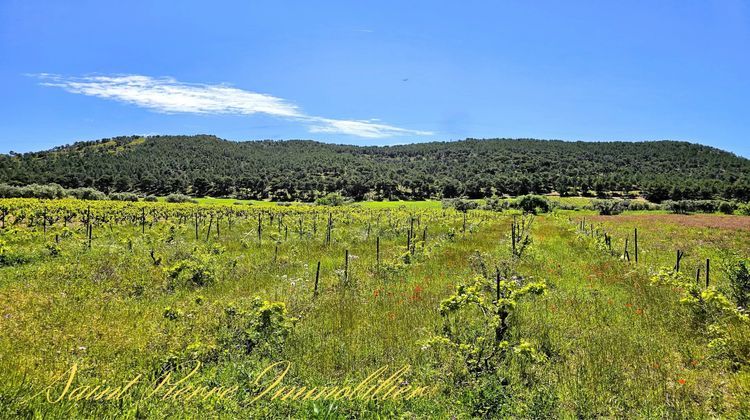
<point>727,208</point>
<point>533,204</point>
<point>331,199</point>
<point>609,207</point>
<point>87,194</point>
<point>150,198</point>
<point>171,313</point>
<point>496,204</point>
<point>642,206</point>
<point>179,198</point>
<point>460,204</point>
<point>123,196</point>
<point>699,206</point>
<point>263,327</point>
<point>196,272</point>
<point>739,283</point>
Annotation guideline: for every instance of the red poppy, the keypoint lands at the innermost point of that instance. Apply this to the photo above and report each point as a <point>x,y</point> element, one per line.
<point>416,294</point>
<point>681,381</point>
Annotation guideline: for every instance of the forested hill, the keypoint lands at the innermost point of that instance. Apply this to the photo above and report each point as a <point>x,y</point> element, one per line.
<point>304,170</point>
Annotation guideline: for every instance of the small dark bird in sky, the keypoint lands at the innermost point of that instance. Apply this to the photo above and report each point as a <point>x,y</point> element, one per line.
<point>405,80</point>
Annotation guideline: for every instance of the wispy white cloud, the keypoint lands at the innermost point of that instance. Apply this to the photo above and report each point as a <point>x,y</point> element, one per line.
<point>367,128</point>
<point>167,95</point>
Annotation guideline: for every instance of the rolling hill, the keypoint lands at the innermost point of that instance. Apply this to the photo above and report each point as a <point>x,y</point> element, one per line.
<point>304,170</point>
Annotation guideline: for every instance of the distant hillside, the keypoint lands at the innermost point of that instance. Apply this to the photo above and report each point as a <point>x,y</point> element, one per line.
<point>303,170</point>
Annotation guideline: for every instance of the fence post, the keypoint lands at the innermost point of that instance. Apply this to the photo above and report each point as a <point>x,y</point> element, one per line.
<point>317,276</point>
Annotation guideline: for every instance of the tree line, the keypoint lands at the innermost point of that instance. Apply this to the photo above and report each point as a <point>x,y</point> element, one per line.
<point>304,170</point>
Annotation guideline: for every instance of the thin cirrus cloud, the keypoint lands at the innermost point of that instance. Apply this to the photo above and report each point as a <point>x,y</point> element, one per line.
<point>168,95</point>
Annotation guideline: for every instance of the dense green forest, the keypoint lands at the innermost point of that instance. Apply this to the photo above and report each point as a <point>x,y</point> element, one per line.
<point>304,170</point>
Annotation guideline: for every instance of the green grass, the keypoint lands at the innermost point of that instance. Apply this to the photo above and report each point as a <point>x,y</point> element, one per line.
<point>611,344</point>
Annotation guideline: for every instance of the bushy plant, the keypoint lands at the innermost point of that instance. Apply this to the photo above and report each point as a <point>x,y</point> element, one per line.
<point>533,204</point>
<point>123,196</point>
<point>636,205</point>
<point>196,271</point>
<point>699,206</point>
<point>179,198</point>
<point>262,327</point>
<point>727,207</point>
<point>331,199</point>
<point>8,191</point>
<point>738,274</point>
<point>87,194</point>
<point>460,204</point>
<point>150,199</point>
<point>496,204</point>
<point>8,257</point>
<point>609,207</point>
<point>476,323</point>
<point>726,326</point>
<point>48,191</point>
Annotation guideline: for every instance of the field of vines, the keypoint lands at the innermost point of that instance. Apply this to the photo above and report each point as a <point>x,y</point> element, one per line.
<point>476,314</point>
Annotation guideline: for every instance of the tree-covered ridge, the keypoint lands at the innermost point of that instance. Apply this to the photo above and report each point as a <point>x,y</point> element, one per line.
<point>304,170</point>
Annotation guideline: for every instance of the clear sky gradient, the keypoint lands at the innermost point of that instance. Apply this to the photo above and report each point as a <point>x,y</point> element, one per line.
<point>382,72</point>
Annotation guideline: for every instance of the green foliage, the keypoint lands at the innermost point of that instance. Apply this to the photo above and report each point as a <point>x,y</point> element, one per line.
<point>196,271</point>
<point>179,198</point>
<point>592,341</point>
<point>172,313</point>
<point>331,199</point>
<point>477,320</point>
<point>306,170</point>
<point>123,196</point>
<point>715,315</point>
<point>533,204</point>
<point>87,194</point>
<point>609,207</point>
<point>9,257</point>
<point>262,327</point>
<point>739,283</point>
<point>460,204</point>
<point>642,206</point>
<point>699,206</point>
<point>49,191</point>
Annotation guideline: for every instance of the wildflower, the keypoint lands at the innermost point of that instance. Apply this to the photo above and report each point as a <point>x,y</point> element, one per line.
<point>681,381</point>
<point>639,311</point>
<point>417,294</point>
<point>376,293</point>
<point>628,305</point>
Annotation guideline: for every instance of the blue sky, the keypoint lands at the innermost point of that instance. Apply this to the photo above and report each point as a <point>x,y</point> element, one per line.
<point>382,72</point>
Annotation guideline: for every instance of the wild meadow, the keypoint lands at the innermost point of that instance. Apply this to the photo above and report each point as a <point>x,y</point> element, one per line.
<point>497,314</point>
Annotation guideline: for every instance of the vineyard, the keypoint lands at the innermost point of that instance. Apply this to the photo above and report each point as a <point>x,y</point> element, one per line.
<point>497,313</point>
